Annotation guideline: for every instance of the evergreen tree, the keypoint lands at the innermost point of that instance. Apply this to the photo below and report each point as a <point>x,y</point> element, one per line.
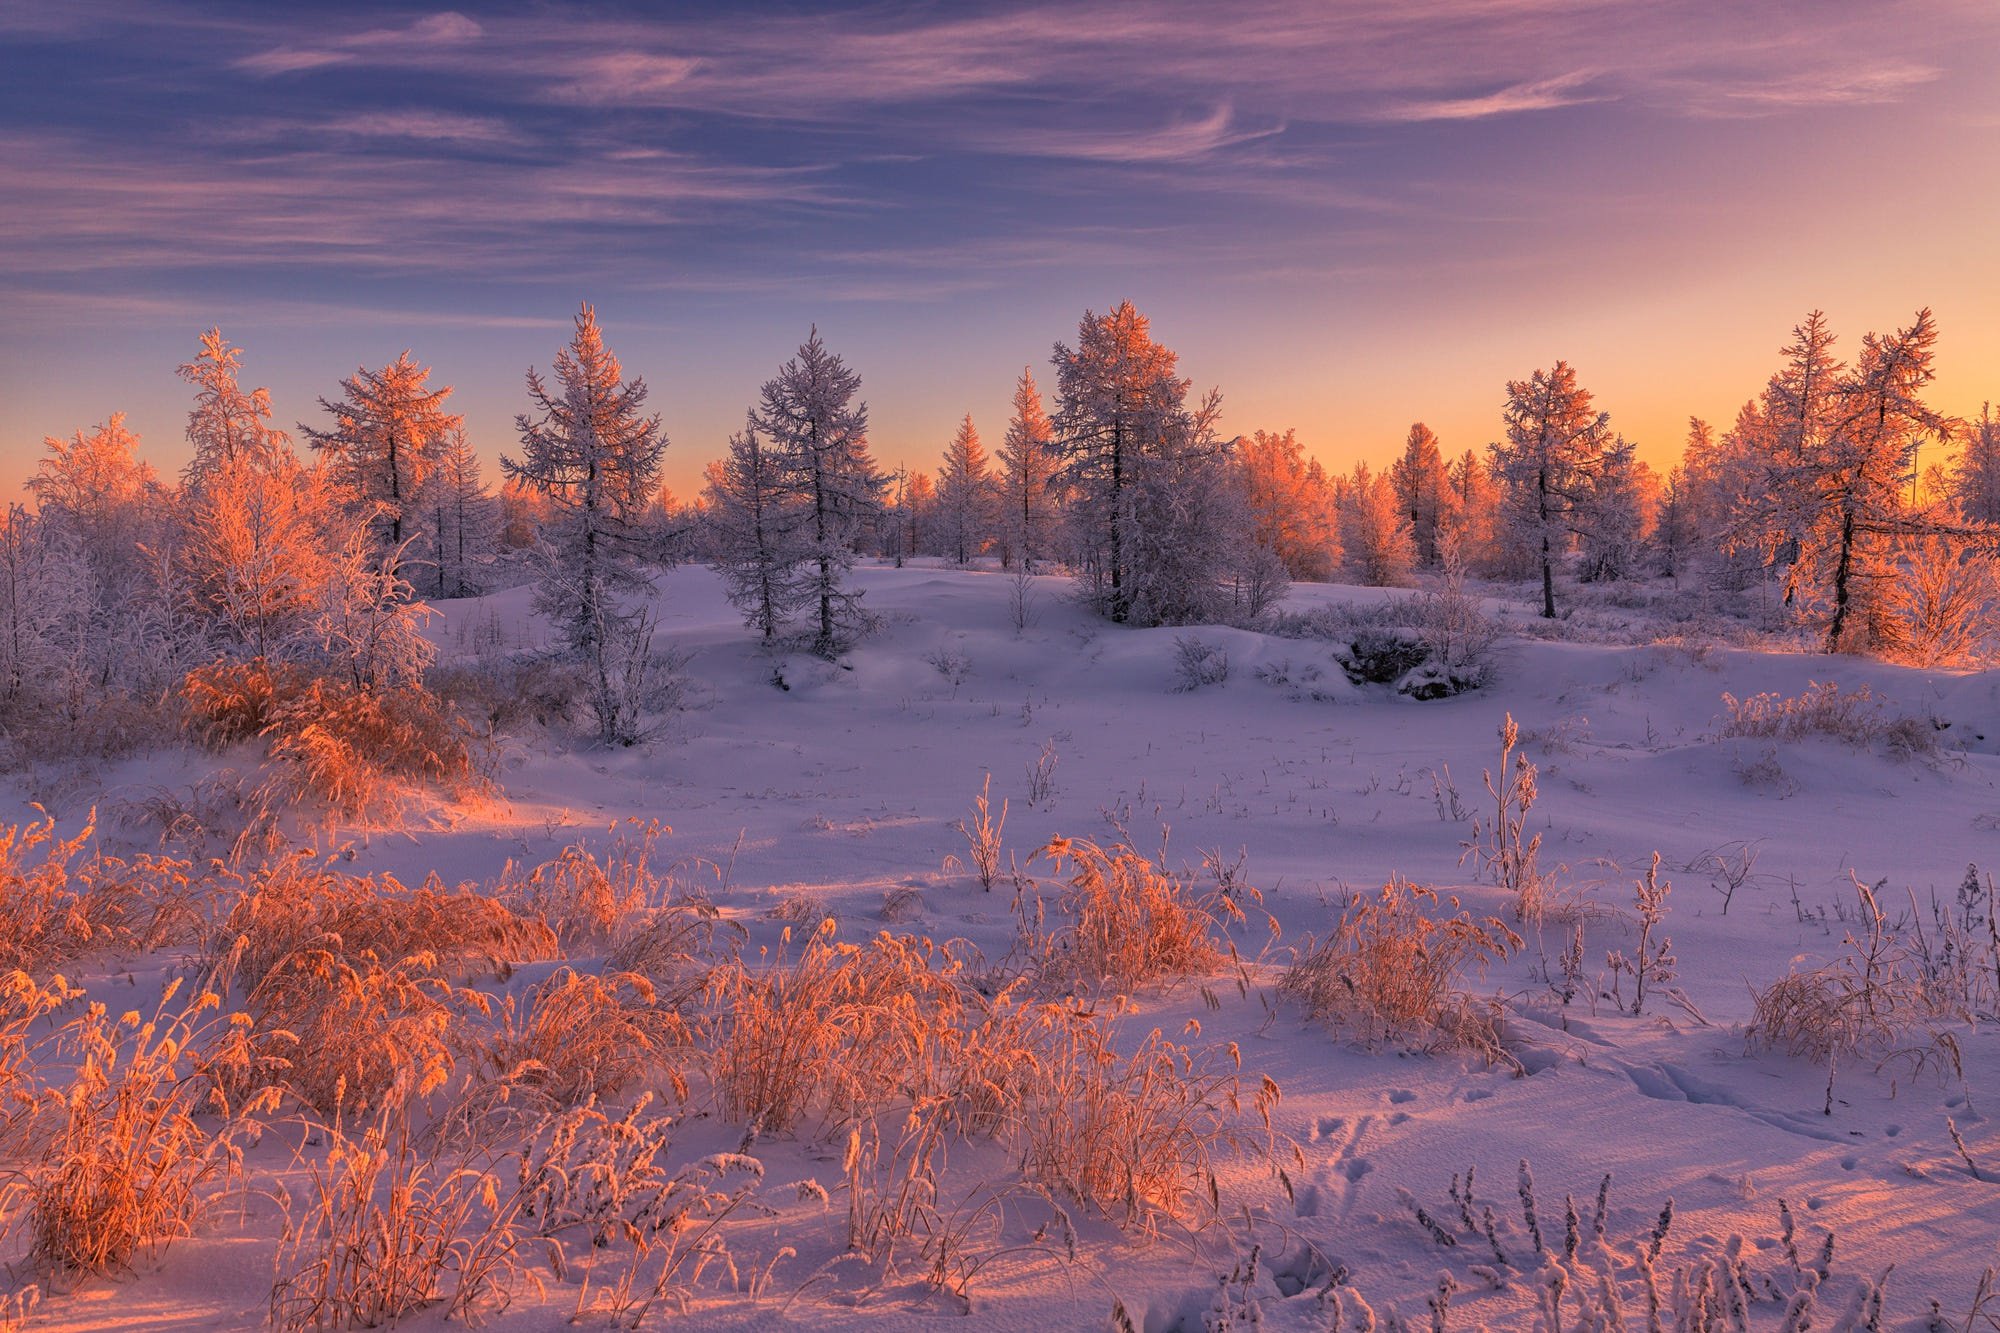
<point>385,444</point>
<point>1975,480</point>
<point>1028,463</point>
<point>965,495</point>
<point>1613,517</point>
<point>1555,442</point>
<point>1117,400</point>
<point>753,534</point>
<point>594,456</point>
<point>818,437</point>
<point>1423,491</point>
<point>461,515</point>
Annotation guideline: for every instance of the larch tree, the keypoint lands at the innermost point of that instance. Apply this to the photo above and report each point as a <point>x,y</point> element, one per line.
<point>1975,478</point>
<point>461,516</point>
<point>593,453</point>
<point>818,436</point>
<point>965,495</point>
<point>1129,443</point>
<point>1555,442</point>
<point>1289,504</point>
<point>1423,491</point>
<point>388,431</point>
<point>1375,540</point>
<point>1614,514</point>
<point>753,534</point>
<point>1474,516</point>
<point>1856,482</point>
<point>228,424</point>
<point>1028,461</point>
<point>108,501</point>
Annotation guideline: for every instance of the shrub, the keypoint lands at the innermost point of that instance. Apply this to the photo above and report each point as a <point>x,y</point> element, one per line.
<point>330,740</point>
<point>1389,971</point>
<point>1125,921</point>
<point>1198,664</point>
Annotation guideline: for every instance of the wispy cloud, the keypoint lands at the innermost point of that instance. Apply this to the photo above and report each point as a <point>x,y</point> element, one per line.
<point>1564,90</point>
<point>1181,140</point>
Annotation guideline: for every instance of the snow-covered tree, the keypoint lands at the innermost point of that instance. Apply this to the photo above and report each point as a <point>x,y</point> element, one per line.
<point>1028,497</point>
<point>965,495</point>
<point>227,424</point>
<point>753,526</point>
<point>1139,468</point>
<point>461,518</point>
<point>1423,491</point>
<point>1474,518</point>
<point>1555,441</point>
<point>385,443</point>
<point>1975,479</point>
<point>1614,516</point>
<point>1856,481</point>
<point>817,434</point>
<point>590,450</point>
<point>1375,540</point>
<point>40,578</point>
<point>1289,504</point>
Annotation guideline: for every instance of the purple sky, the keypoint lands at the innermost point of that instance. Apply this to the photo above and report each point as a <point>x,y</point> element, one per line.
<point>1349,216</point>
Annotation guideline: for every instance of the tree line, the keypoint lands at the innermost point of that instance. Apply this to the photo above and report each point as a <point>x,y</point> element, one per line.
<point>116,582</point>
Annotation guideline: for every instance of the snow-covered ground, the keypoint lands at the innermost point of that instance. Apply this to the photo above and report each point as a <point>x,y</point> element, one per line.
<point>845,787</point>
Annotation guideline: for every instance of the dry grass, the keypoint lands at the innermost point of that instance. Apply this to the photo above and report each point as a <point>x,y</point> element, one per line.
<point>607,1180</point>
<point>1123,920</point>
<point>593,904</point>
<point>387,1222</point>
<point>1390,971</point>
<point>352,749</point>
<point>1873,1002</point>
<point>839,1031</point>
<point>351,983</point>
<point>1138,1136</point>
<point>120,1165</point>
<point>1856,717</point>
<point>578,1037</point>
<point>59,902</point>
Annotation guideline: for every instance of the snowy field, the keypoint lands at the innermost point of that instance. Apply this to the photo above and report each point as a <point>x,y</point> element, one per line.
<point>840,795</point>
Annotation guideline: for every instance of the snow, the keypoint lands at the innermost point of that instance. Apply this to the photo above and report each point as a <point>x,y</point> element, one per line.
<point>847,785</point>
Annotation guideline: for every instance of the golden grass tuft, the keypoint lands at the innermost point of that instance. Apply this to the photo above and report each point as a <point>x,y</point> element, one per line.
<point>120,1164</point>
<point>1391,971</point>
<point>577,1037</point>
<point>60,902</point>
<point>1123,920</point>
<point>330,741</point>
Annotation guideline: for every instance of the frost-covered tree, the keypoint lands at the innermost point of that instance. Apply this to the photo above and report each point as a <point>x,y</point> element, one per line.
<point>753,527</point>
<point>593,454</point>
<point>96,493</point>
<point>1423,491</point>
<point>1614,516</point>
<point>1975,479</point>
<point>1856,481</point>
<point>385,443</point>
<point>965,495</point>
<point>461,518</point>
<point>1028,494</point>
<point>919,513</point>
<point>40,576</point>
<point>228,424</point>
<point>1289,504</point>
<point>1375,540</point>
<point>1474,518</point>
<point>817,434</point>
<point>1555,441</point>
<point>260,542</point>
<point>1139,467</point>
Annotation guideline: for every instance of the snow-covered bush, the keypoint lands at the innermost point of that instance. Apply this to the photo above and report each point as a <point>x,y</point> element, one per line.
<point>1198,663</point>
